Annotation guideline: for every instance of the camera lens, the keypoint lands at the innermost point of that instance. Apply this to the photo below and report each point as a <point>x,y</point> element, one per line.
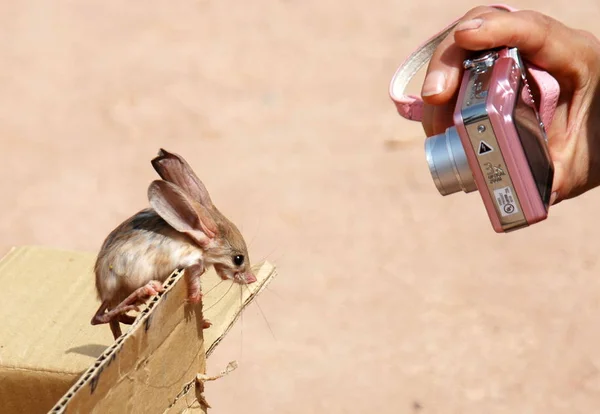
<point>448,163</point>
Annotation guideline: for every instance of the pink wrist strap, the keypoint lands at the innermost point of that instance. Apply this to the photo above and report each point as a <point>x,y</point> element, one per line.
<point>411,106</point>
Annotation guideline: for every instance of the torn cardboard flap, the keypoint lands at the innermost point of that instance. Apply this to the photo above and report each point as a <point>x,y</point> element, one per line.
<point>225,302</point>
<point>50,355</point>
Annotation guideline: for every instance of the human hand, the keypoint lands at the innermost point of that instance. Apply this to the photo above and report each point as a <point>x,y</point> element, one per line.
<point>571,56</point>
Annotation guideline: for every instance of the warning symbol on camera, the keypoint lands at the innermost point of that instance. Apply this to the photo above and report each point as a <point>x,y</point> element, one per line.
<point>506,202</point>
<point>484,147</point>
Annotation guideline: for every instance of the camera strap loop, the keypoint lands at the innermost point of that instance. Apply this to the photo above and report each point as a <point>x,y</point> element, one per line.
<point>411,106</point>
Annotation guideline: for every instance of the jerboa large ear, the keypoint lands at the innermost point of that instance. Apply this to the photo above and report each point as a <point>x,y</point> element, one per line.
<point>182,212</point>
<point>173,168</point>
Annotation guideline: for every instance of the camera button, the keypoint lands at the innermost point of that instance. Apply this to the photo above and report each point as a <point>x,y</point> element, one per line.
<point>481,62</point>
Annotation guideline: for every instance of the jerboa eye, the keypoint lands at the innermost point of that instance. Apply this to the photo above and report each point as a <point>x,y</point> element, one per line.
<point>238,260</point>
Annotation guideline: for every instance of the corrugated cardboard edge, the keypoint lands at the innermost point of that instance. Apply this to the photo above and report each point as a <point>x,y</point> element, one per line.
<point>122,358</point>
<point>79,395</point>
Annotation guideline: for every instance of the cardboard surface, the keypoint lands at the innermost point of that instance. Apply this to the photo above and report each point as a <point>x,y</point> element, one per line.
<point>148,366</point>
<point>46,339</point>
<point>47,343</point>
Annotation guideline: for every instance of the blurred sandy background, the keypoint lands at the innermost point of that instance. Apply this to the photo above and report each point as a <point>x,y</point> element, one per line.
<point>390,298</point>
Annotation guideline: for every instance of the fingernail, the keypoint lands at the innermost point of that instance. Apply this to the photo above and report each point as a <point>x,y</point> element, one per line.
<point>469,25</point>
<point>435,83</point>
<point>553,197</point>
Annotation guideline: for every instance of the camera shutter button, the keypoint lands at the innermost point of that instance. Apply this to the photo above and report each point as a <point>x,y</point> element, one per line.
<point>482,62</point>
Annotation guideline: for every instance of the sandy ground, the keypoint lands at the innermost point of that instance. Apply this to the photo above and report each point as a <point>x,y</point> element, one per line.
<point>390,298</point>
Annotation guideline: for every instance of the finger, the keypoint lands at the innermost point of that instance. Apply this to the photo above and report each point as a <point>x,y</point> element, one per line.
<point>427,119</point>
<point>443,73</point>
<point>437,118</point>
<point>445,66</point>
<point>541,40</point>
<point>443,116</point>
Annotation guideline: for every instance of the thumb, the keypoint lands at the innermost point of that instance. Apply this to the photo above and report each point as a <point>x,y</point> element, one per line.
<point>445,66</point>
<point>541,40</point>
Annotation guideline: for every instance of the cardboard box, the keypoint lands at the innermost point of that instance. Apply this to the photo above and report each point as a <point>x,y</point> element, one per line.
<point>52,359</point>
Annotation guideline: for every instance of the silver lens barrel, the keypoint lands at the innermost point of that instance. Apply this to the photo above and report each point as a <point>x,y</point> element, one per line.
<point>448,163</point>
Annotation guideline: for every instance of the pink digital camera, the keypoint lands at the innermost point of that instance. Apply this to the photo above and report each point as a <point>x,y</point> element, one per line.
<point>498,144</point>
